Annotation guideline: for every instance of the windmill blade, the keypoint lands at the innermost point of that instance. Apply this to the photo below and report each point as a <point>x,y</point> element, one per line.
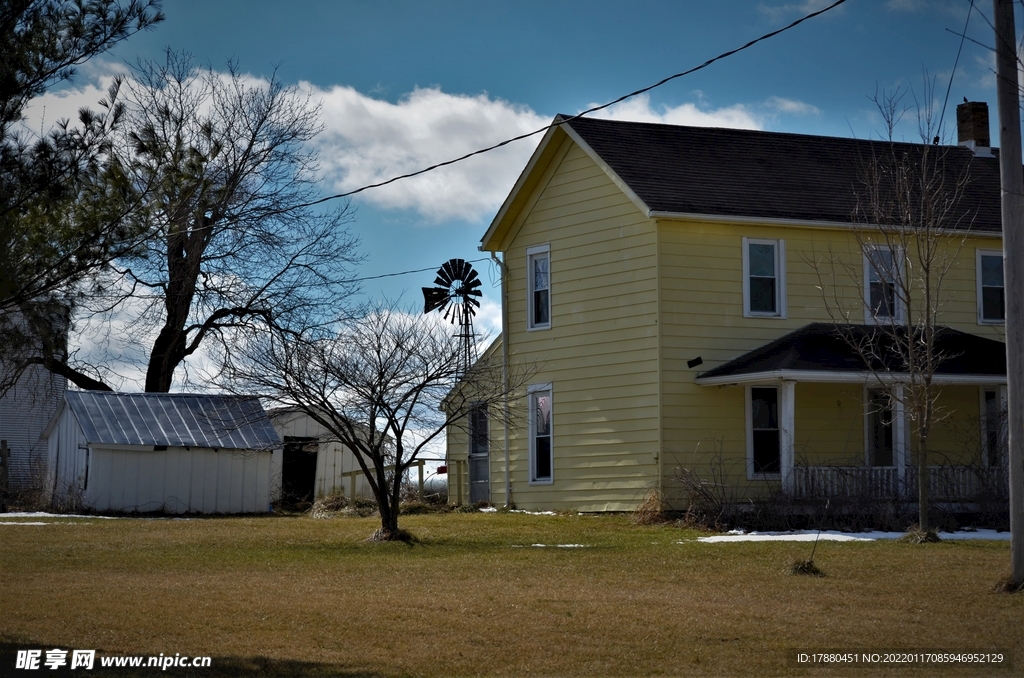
<point>434,297</point>
<point>448,269</point>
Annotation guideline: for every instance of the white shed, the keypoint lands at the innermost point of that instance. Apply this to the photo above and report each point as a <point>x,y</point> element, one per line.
<point>311,465</point>
<point>176,453</point>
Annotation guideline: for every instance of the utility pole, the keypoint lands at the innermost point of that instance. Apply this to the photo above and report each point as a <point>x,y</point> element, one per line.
<point>1012,185</point>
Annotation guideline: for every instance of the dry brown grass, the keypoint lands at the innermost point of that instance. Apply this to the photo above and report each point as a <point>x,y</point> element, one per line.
<point>304,597</point>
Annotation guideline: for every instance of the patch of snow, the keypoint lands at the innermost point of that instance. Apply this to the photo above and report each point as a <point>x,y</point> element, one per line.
<point>833,535</point>
<point>489,509</point>
<point>28,523</point>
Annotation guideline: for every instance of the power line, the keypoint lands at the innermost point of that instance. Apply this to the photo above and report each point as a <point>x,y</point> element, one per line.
<point>418,270</point>
<point>520,137</point>
<point>955,62</point>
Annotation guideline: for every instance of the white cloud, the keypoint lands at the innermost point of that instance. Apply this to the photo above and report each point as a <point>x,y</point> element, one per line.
<point>639,109</point>
<point>487,323</point>
<point>43,112</point>
<point>792,106</point>
<point>370,140</point>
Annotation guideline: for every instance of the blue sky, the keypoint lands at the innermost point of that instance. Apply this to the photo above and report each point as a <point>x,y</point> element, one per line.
<point>407,84</point>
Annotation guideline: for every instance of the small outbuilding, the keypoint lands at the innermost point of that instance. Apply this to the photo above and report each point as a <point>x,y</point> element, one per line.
<point>311,464</point>
<point>146,452</point>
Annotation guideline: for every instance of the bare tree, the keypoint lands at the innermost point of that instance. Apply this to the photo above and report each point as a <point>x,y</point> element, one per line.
<point>913,228</point>
<point>232,243</point>
<point>386,385</point>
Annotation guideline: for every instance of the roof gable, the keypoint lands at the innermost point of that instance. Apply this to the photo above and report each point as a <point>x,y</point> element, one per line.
<point>176,420</point>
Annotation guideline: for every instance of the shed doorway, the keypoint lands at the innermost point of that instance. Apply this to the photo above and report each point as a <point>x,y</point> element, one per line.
<point>298,471</point>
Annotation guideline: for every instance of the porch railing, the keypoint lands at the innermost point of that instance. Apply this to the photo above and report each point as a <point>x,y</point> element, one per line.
<point>945,483</point>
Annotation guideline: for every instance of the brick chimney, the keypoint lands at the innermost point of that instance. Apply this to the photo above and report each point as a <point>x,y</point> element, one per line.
<point>972,127</point>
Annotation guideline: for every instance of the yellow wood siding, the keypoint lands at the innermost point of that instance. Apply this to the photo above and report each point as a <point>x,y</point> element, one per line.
<point>600,354</point>
<point>701,314</point>
<point>956,438</point>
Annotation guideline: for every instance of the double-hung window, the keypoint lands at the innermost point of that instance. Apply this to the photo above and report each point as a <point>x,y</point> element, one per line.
<point>881,285</point>
<point>991,293</point>
<point>764,278</point>
<point>538,283</point>
<point>479,440</point>
<point>541,452</point>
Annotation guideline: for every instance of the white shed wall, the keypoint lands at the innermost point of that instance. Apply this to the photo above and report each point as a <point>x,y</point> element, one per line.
<point>66,462</point>
<point>178,480</point>
<point>332,461</point>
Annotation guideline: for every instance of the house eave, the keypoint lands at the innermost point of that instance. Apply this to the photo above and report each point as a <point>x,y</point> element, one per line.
<point>839,377</point>
<point>798,223</point>
<point>491,240</point>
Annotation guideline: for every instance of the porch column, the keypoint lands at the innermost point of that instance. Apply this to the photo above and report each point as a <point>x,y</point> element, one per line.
<point>787,438</point>
<point>899,434</point>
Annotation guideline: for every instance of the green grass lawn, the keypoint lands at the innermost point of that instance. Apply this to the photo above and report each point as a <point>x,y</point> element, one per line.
<point>295,596</point>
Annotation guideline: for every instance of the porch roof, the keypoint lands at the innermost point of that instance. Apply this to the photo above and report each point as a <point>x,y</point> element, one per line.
<point>827,353</point>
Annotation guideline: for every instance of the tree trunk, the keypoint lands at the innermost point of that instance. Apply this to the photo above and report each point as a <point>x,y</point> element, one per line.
<point>168,352</point>
<point>389,531</point>
<point>922,486</point>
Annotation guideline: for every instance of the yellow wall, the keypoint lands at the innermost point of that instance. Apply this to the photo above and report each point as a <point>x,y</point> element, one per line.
<point>701,292</point>
<point>600,354</point>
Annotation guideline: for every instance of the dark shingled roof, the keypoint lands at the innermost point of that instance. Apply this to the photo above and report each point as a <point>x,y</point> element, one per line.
<point>173,419</point>
<point>822,347</point>
<point>746,173</point>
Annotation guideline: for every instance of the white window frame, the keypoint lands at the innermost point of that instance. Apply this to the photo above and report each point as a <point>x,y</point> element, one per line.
<point>897,257</point>
<point>531,391</point>
<point>979,253</point>
<point>780,278</point>
<point>532,253</point>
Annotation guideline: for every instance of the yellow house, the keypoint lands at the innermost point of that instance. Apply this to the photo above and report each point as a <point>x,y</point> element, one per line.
<point>679,290</point>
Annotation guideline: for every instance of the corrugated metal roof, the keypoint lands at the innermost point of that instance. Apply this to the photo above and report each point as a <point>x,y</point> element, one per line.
<point>173,419</point>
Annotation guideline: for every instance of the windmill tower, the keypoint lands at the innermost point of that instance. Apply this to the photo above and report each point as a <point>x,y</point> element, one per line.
<point>454,296</point>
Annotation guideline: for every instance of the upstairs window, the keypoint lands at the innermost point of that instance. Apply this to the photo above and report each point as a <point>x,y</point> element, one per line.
<point>881,293</point>
<point>764,278</point>
<point>538,264</point>
<point>991,293</point>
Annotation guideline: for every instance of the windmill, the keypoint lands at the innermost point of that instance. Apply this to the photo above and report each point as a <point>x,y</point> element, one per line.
<point>454,296</point>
